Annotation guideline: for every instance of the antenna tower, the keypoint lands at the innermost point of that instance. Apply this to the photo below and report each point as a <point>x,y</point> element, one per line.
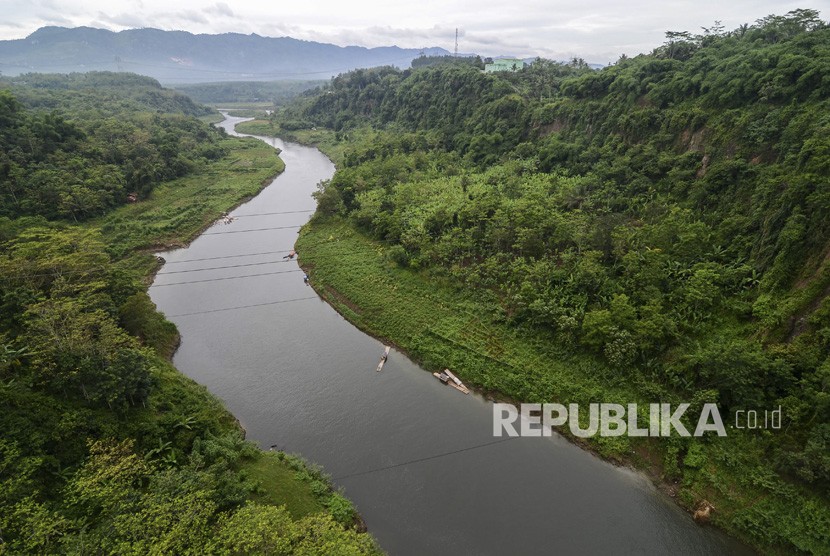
<point>456,42</point>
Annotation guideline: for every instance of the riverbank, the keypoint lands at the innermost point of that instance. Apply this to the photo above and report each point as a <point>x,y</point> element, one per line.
<point>176,214</point>
<point>323,139</point>
<point>439,325</point>
<point>752,501</point>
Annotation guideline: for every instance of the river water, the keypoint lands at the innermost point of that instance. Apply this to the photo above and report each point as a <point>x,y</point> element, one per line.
<point>416,457</point>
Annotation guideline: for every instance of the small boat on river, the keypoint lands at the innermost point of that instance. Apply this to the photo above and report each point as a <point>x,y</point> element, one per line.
<point>383,359</point>
<point>447,377</point>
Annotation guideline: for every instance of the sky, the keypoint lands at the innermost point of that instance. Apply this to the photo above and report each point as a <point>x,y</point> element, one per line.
<point>598,31</point>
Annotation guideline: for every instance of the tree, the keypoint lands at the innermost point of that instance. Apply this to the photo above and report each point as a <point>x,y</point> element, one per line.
<point>256,529</point>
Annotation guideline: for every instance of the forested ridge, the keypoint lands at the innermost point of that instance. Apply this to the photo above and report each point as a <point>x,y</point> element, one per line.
<point>105,447</point>
<point>662,223</point>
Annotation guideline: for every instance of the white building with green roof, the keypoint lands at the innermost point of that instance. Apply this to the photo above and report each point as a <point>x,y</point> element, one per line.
<point>504,64</point>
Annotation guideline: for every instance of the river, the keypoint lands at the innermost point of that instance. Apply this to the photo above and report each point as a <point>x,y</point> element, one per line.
<point>416,457</point>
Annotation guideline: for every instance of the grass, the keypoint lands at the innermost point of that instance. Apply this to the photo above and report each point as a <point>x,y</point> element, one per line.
<point>440,325</point>
<point>213,118</point>
<point>258,127</point>
<point>278,485</point>
<point>244,105</point>
<point>247,113</point>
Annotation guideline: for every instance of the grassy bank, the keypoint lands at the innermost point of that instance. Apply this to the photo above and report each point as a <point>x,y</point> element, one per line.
<point>213,118</point>
<point>440,326</point>
<point>258,127</point>
<point>247,113</point>
<point>323,139</point>
<point>179,210</point>
<point>249,105</point>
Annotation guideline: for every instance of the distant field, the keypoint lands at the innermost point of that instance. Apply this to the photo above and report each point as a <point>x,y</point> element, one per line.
<point>261,105</point>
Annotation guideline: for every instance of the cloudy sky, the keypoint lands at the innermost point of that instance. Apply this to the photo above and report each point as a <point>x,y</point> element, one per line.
<point>597,30</point>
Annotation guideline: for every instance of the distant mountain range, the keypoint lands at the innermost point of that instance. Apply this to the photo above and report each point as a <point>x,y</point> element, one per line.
<point>175,57</point>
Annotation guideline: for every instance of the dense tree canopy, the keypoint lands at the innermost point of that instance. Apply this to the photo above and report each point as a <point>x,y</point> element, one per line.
<point>68,150</point>
<point>666,214</point>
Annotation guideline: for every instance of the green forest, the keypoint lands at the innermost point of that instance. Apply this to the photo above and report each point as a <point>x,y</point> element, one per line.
<point>106,448</point>
<point>653,231</point>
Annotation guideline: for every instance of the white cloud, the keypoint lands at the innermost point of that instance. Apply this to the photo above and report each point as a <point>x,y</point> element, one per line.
<point>55,19</point>
<point>122,20</point>
<point>597,30</point>
<point>220,8</point>
<point>189,16</point>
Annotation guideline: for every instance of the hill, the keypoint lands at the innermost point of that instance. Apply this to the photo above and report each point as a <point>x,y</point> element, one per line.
<point>653,231</point>
<point>182,57</point>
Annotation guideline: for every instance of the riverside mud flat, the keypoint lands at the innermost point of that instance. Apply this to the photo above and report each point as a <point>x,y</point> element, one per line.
<point>418,460</point>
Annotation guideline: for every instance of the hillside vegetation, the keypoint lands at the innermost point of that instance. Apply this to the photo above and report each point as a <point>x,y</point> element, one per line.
<point>653,231</point>
<point>106,448</point>
<point>74,147</point>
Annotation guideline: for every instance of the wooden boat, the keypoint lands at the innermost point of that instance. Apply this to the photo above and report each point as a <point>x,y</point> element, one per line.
<point>447,377</point>
<point>460,387</point>
<point>383,359</point>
